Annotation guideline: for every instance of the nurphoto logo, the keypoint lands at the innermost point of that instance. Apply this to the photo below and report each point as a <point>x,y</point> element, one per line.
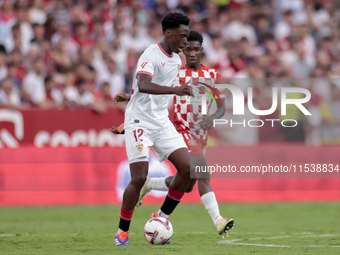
<point>239,105</point>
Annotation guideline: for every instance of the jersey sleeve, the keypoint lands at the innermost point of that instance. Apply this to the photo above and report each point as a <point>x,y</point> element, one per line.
<point>219,80</point>
<point>146,64</point>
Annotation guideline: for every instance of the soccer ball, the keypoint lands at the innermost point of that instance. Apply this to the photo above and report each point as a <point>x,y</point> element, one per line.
<point>158,230</point>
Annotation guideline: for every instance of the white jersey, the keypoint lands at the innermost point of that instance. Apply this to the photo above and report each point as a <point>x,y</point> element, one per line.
<point>148,110</point>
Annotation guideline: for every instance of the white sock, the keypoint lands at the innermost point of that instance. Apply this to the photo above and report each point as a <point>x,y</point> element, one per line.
<point>211,205</point>
<point>157,184</point>
<point>120,231</point>
<point>162,214</point>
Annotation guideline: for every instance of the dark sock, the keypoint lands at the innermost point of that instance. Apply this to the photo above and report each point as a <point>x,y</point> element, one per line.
<point>124,224</point>
<point>171,201</point>
<point>125,219</point>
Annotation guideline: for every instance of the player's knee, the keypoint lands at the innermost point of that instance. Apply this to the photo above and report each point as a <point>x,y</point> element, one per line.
<point>138,181</point>
<point>186,169</point>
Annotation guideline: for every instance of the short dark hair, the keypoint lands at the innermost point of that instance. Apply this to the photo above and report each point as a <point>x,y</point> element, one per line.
<point>16,26</point>
<point>288,12</point>
<point>261,16</point>
<point>48,79</point>
<point>174,20</point>
<point>268,36</point>
<point>80,82</point>
<point>10,64</point>
<point>2,49</point>
<point>98,20</point>
<point>105,83</point>
<point>36,25</point>
<point>79,24</point>
<point>195,36</point>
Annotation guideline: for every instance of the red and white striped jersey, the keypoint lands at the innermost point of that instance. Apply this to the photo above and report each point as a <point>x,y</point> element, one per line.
<point>188,110</point>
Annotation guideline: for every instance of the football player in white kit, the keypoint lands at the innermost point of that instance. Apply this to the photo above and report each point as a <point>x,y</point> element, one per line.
<point>194,126</point>
<point>190,122</point>
<point>147,123</point>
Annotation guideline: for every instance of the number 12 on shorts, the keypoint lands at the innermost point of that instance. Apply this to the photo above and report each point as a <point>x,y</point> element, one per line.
<point>138,133</point>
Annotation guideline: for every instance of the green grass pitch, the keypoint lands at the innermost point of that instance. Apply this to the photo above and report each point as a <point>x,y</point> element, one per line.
<point>294,228</point>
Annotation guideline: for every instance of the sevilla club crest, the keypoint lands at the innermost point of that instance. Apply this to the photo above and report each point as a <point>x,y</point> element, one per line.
<point>140,147</point>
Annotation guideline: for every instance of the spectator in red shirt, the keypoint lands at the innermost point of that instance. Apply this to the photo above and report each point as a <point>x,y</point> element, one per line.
<point>7,14</point>
<point>82,37</point>
<point>16,58</point>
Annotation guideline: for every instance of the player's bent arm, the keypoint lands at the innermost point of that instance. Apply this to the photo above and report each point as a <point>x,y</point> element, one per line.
<point>220,109</point>
<point>145,85</point>
<point>208,121</point>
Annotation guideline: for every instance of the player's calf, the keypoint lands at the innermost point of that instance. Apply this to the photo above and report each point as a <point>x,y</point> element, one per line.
<point>182,161</point>
<point>191,185</point>
<point>139,171</point>
<point>138,181</point>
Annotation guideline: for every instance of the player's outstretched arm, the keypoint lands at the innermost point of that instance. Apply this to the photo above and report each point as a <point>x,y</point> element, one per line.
<point>119,130</point>
<point>146,86</point>
<point>208,121</point>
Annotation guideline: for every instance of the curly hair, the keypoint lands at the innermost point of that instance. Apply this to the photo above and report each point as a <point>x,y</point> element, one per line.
<point>195,36</point>
<point>174,20</point>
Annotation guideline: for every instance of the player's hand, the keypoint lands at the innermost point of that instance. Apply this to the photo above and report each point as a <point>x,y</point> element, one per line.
<point>207,123</point>
<point>184,90</point>
<point>119,130</point>
<point>121,98</point>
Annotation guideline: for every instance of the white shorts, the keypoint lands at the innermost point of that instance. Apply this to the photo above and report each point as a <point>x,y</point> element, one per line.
<point>164,141</point>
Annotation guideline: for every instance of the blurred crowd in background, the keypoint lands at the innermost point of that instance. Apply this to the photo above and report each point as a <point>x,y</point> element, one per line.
<point>69,53</point>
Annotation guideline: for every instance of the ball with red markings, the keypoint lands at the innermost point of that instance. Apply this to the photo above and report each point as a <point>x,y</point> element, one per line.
<point>158,230</point>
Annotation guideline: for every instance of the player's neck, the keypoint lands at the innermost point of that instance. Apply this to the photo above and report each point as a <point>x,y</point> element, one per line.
<point>195,67</point>
<point>165,47</point>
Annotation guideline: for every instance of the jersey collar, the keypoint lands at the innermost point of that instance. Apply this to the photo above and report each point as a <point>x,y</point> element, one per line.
<point>166,54</point>
<point>193,70</point>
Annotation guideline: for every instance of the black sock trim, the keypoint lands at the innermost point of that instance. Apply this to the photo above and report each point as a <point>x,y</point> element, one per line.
<point>169,205</point>
<point>124,224</point>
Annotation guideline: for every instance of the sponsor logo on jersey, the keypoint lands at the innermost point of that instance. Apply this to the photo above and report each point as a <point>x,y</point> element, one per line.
<point>163,64</point>
<point>143,64</point>
<point>140,147</point>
